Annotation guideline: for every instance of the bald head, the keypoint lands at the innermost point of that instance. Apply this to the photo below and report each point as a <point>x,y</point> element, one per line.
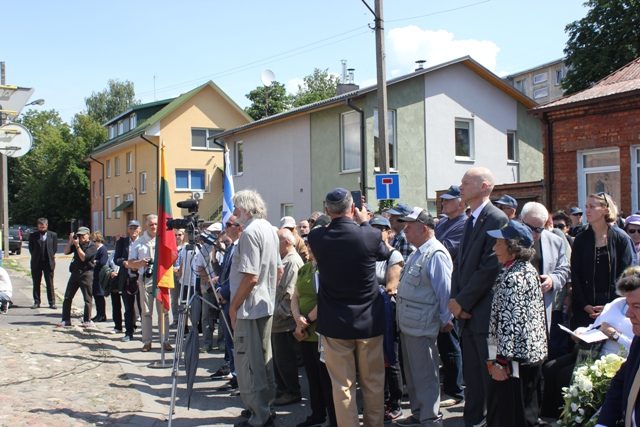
<point>477,185</point>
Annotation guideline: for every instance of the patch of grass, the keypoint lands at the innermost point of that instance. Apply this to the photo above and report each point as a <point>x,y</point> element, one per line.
<point>12,264</point>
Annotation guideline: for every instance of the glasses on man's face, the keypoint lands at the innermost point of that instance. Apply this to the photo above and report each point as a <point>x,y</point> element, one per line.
<point>560,226</point>
<point>633,230</point>
<point>230,224</point>
<point>534,229</point>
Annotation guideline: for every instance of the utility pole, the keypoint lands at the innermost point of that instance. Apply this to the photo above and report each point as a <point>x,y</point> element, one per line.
<point>383,150</point>
<point>5,181</point>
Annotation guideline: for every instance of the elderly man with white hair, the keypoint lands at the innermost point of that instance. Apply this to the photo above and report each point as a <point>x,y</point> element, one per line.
<point>253,279</point>
<point>551,262</point>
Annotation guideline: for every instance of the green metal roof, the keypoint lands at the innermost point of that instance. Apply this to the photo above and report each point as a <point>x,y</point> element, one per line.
<point>164,112</point>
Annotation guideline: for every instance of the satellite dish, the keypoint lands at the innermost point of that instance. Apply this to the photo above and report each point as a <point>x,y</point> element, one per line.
<point>267,77</point>
<point>15,140</point>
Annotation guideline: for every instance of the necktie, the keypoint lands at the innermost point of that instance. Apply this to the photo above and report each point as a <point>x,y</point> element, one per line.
<point>468,229</point>
<point>631,400</point>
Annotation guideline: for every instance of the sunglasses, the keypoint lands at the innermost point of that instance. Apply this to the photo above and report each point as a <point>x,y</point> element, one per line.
<point>633,230</point>
<point>230,224</point>
<point>534,229</point>
<point>604,196</point>
<point>560,226</point>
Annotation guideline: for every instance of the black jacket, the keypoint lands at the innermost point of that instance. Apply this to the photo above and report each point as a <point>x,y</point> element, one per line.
<point>349,303</point>
<point>621,255</point>
<point>119,257</point>
<point>35,250</point>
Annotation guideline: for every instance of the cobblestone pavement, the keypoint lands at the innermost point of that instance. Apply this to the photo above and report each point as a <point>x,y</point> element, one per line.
<point>75,377</point>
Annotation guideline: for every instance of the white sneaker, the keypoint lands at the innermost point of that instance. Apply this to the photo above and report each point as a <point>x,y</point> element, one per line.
<point>115,331</point>
<point>88,324</point>
<point>63,324</point>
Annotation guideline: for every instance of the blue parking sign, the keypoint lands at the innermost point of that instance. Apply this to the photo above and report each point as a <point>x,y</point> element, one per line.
<point>387,186</point>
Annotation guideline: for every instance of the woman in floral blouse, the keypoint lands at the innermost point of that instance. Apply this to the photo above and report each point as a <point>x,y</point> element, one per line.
<point>517,332</point>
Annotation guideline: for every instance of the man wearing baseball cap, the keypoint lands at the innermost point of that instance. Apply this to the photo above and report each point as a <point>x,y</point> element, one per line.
<point>575,213</point>
<point>81,268</point>
<point>399,241</point>
<point>508,205</point>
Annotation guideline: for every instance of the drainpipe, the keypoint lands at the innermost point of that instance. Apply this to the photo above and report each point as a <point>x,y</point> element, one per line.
<point>363,162</point>
<point>101,190</point>
<point>549,160</point>
<point>157,172</point>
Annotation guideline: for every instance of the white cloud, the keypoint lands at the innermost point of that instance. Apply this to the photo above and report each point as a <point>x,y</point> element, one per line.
<point>292,85</point>
<point>411,43</point>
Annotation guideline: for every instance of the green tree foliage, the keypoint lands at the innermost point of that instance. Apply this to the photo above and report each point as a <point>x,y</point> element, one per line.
<point>117,98</point>
<point>88,131</point>
<point>317,86</point>
<point>51,180</point>
<point>268,100</point>
<point>601,42</point>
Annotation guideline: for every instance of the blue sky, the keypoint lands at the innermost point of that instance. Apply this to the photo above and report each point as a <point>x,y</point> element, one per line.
<point>70,48</point>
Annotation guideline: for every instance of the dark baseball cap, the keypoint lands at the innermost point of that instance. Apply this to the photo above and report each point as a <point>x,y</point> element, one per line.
<point>575,211</point>
<point>452,193</point>
<point>507,200</point>
<point>133,223</point>
<point>401,209</point>
<point>514,230</point>
<point>380,221</point>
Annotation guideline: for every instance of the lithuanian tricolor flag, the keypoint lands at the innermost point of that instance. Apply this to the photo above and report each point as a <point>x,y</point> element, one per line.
<point>166,250</point>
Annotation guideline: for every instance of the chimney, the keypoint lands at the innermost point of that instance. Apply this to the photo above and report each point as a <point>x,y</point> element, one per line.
<point>347,84</point>
<point>420,64</point>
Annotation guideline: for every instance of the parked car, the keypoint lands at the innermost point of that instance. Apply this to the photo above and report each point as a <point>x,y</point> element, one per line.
<point>15,240</point>
<point>26,231</point>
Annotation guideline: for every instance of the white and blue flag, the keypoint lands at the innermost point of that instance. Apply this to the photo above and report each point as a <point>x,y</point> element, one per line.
<point>227,189</point>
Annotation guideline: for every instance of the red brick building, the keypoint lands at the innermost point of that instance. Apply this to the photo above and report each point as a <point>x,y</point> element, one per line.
<point>592,142</point>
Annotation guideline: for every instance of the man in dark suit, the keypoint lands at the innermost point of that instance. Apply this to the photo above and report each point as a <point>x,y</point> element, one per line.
<point>474,274</point>
<point>350,308</point>
<point>120,258</point>
<point>621,402</point>
<point>42,247</point>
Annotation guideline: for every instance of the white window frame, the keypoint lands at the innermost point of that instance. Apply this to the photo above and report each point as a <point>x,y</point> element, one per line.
<point>108,168</point>
<point>133,121</point>
<point>190,187</point>
<point>116,166</point>
<point>540,78</point>
<point>116,202</point>
<point>120,127</point>
<point>143,182</point>
<point>635,177</point>
<point>343,167</point>
<point>516,154</point>
<point>471,156</point>
<point>392,136</point>
<point>286,209</point>
<point>128,197</point>
<point>112,131</point>
<point>129,157</point>
<point>109,206</point>
<point>209,144</point>
<point>540,92</point>
<point>521,85</point>
<point>559,76</point>
<point>238,159</point>
<point>582,171</point>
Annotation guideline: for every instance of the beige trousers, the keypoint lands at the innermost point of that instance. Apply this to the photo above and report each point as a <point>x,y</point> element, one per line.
<point>147,302</point>
<point>343,359</point>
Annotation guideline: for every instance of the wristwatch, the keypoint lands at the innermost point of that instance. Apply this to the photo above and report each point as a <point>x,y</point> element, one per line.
<point>615,336</point>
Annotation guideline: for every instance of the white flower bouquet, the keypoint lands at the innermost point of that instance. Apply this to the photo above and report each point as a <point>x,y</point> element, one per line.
<point>585,395</point>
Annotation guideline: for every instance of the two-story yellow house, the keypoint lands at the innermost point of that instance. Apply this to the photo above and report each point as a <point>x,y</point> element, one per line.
<point>125,169</point>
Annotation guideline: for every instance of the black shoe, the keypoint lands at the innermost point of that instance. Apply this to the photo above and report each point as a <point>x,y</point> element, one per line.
<point>53,306</point>
<point>99,319</point>
<point>36,305</point>
<point>232,384</point>
<point>245,423</point>
<point>287,399</point>
<point>246,413</point>
<point>222,373</point>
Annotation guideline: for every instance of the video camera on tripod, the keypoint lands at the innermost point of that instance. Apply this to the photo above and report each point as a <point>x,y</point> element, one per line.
<point>191,223</point>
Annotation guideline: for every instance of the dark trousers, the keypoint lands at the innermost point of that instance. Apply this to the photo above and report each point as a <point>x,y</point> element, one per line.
<point>84,282</point>
<point>101,306</point>
<point>116,310</point>
<point>228,340</point>
<point>451,357</point>
<point>556,373</point>
<point>285,366</point>
<point>558,339</point>
<point>36,275</point>
<point>393,381</point>
<point>129,313</point>
<point>476,376</point>
<point>514,402</point>
<point>320,394</point>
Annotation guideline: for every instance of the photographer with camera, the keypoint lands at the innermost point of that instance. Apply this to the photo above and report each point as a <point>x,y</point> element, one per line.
<point>141,259</point>
<point>81,269</point>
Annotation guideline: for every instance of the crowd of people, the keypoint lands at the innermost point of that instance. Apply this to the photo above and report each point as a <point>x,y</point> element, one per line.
<point>465,308</point>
